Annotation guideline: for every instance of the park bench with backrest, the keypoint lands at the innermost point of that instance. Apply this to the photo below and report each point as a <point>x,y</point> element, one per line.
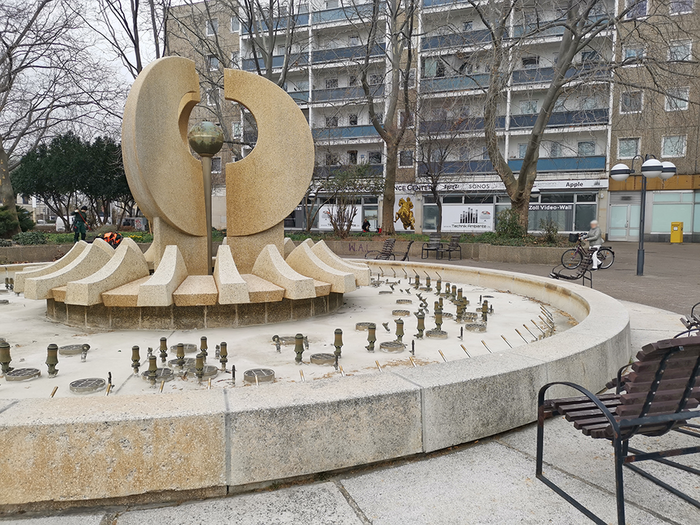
<point>660,393</point>
<point>583,271</point>
<point>692,321</point>
<point>454,246</point>
<point>386,253</point>
<point>404,257</point>
<point>434,244</point>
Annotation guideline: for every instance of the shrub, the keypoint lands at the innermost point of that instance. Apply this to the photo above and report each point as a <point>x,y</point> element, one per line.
<point>508,225</point>
<point>30,238</point>
<point>550,230</point>
<point>25,219</point>
<point>8,223</point>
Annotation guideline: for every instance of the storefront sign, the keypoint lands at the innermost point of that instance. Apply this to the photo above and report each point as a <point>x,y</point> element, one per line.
<point>447,187</point>
<point>551,207</point>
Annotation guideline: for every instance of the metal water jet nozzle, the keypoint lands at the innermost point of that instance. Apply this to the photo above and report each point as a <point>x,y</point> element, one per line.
<point>454,291</point>
<point>278,344</point>
<point>52,359</point>
<point>163,349</point>
<point>338,343</point>
<point>180,353</point>
<point>217,352</point>
<point>371,337</point>
<point>224,355</point>
<point>438,318</point>
<point>5,357</point>
<point>203,346</point>
<point>421,324</point>
<point>135,359</point>
<point>298,347</point>
<point>484,310</point>
<point>461,333</point>
<point>438,286</point>
<point>416,283</point>
<point>399,330</point>
<point>233,374</point>
<point>459,294</point>
<point>199,366</point>
<point>152,369</point>
<point>413,347</point>
<point>427,283</point>
<point>83,352</point>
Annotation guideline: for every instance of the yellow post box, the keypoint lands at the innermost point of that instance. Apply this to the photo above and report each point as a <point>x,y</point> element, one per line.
<point>676,232</point>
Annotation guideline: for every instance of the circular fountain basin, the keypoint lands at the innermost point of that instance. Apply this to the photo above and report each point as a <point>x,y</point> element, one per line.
<point>208,442</point>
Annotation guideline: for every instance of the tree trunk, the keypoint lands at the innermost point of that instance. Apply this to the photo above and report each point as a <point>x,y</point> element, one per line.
<point>7,196</point>
<point>439,216</point>
<point>392,151</point>
<point>521,207</point>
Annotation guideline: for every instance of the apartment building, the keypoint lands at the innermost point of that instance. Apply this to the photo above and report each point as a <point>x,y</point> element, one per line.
<point>319,57</point>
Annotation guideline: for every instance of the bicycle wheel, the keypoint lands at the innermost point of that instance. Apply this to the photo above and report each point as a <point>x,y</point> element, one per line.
<point>606,258</point>
<point>571,258</point>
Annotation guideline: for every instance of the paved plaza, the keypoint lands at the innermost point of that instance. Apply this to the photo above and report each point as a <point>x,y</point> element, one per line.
<point>489,481</point>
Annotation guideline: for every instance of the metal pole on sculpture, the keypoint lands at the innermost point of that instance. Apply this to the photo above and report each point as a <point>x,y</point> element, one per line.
<point>206,139</point>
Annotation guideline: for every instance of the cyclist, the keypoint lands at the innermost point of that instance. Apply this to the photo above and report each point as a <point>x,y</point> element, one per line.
<point>595,241</point>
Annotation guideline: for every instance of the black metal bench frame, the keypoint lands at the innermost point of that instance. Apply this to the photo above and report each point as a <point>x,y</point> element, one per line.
<point>454,246</point>
<point>621,429</point>
<point>405,255</point>
<point>583,272</point>
<point>692,321</point>
<point>433,245</point>
<point>385,253</point>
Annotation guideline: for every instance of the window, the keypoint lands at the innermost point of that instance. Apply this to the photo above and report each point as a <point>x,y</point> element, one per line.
<point>635,8</point>
<point>468,26</point>
<point>528,107</point>
<point>212,26</point>
<point>212,97</point>
<point>213,63</point>
<point>406,118</point>
<point>411,77</point>
<point>676,7</point>
<point>375,157</point>
<point>485,153</point>
<point>353,81</point>
<point>590,57</point>
<point>331,122</point>
<point>216,165</point>
<point>332,159</point>
<point>627,148</point>
<point>531,62</point>
<point>352,157</point>
<point>632,54</point>
<point>631,102</point>
<point>586,149</point>
<point>281,50</point>
<point>235,25</point>
<point>236,129</point>
<point>331,83</point>
<point>673,146</point>
<point>331,4</point>
<point>352,120</point>
<point>354,40</point>
<point>522,149</point>
<point>440,69</point>
<point>589,102</point>
<point>375,80</point>
<point>406,158</point>
<point>555,150</point>
<point>677,99</point>
<point>679,51</point>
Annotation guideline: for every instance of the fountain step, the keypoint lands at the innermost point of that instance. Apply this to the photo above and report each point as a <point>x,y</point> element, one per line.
<point>125,295</point>
<point>262,291</point>
<point>322,288</point>
<point>59,294</point>
<point>196,290</point>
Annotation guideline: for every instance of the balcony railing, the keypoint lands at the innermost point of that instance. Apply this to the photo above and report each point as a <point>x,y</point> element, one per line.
<point>296,60</point>
<point>563,118</point>
<point>300,97</point>
<point>594,163</point>
<point>435,3</point>
<point>347,93</point>
<point>344,13</point>
<point>431,85</point>
<point>457,167</point>
<point>376,170</point>
<point>345,132</point>
<point>345,53</point>
<point>469,38</point>
<point>539,30</point>
<point>546,74</point>
<point>280,23</point>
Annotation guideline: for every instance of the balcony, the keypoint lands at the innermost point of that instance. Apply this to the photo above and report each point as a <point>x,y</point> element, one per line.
<point>563,118</point>
<point>432,85</point>
<point>459,167</point>
<point>300,97</point>
<point>297,60</point>
<point>300,20</point>
<point>341,14</point>
<point>346,132</point>
<point>595,163</point>
<point>437,3</point>
<point>470,38</point>
<point>540,30</point>
<point>449,126</point>
<point>345,53</point>
<point>546,74</point>
<point>322,172</point>
<point>346,93</point>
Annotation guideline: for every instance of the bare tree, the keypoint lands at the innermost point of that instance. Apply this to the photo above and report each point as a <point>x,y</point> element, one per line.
<point>49,81</point>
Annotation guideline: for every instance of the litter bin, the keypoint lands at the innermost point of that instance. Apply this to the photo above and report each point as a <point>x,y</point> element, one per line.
<point>676,232</point>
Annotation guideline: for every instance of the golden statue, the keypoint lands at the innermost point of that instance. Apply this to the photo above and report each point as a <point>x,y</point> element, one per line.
<point>405,214</point>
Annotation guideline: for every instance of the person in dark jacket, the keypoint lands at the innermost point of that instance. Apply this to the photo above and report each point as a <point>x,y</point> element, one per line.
<point>80,223</point>
<point>366,226</point>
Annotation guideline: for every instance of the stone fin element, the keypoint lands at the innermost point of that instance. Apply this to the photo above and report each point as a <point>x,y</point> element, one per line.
<point>262,291</point>
<point>232,288</point>
<point>196,290</point>
<point>64,261</point>
<point>91,259</point>
<point>323,252</point>
<point>271,266</point>
<point>158,290</point>
<point>126,295</point>
<point>288,246</point>
<point>304,261</point>
<point>126,265</point>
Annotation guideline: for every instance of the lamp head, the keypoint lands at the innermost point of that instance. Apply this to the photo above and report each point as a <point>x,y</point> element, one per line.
<point>651,168</point>
<point>668,170</point>
<point>620,172</point>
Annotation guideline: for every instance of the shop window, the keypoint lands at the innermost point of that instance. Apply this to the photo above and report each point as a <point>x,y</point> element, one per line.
<point>631,101</point>
<point>627,148</point>
<point>452,199</point>
<point>677,99</point>
<point>585,197</point>
<point>555,198</point>
<point>673,146</point>
<point>585,213</point>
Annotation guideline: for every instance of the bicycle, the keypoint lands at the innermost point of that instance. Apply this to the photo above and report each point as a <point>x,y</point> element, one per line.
<point>573,257</point>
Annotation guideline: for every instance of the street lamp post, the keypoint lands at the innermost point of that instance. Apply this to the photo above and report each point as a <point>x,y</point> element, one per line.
<point>651,168</point>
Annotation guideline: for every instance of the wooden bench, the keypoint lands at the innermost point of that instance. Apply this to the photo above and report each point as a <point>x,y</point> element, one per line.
<point>434,244</point>
<point>454,246</point>
<point>385,253</point>
<point>583,271</point>
<point>659,394</point>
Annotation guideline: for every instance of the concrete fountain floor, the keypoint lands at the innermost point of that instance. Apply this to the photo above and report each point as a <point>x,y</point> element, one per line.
<point>26,328</point>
